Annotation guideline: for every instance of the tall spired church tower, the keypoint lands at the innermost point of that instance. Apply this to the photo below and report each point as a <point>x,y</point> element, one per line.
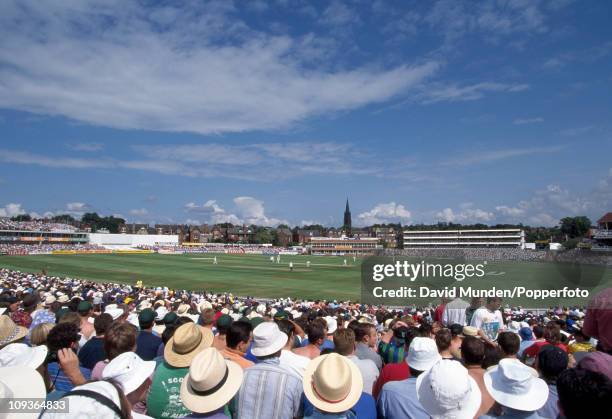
<point>347,220</point>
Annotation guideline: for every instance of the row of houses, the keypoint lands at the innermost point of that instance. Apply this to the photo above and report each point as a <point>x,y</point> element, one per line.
<point>388,236</point>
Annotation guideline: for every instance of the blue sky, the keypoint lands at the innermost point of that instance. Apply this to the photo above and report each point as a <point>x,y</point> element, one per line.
<point>269,112</point>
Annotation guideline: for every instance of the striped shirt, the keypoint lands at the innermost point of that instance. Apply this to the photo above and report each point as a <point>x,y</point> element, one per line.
<point>392,352</point>
<point>269,391</point>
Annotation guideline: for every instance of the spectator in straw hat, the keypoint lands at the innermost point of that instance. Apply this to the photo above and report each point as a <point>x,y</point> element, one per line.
<point>269,390</point>
<point>516,388</point>
<point>447,391</point>
<point>133,374</point>
<point>333,385</point>
<point>10,332</point>
<point>188,340</point>
<point>399,398</point>
<point>210,385</point>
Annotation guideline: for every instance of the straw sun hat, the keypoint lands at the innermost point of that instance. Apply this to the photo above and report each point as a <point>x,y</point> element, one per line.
<point>9,331</point>
<point>187,342</point>
<point>332,383</point>
<point>211,383</point>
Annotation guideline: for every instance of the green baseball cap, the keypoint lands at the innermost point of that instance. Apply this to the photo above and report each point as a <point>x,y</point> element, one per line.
<point>170,318</point>
<point>281,314</point>
<point>146,316</point>
<point>256,321</point>
<point>84,307</point>
<point>224,321</point>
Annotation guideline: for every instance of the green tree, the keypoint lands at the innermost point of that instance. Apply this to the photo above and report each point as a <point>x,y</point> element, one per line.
<point>263,235</point>
<point>575,226</point>
<point>63,218</point>
<point>22,217</point>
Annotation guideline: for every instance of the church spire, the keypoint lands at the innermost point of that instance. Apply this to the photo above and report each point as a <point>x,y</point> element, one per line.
<point>347,220</point>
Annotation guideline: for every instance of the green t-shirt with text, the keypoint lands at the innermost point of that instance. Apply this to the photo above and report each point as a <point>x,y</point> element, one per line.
<point>164,400</point>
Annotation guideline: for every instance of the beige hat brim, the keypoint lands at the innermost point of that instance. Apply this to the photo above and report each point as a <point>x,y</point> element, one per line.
<point>341,406</point>
<point>184,360</point>
<point>204,404</point>
<point>19,333</point>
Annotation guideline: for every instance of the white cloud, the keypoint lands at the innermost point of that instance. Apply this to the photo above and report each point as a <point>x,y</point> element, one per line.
<point>455,19</point>
<point>256,161</point>
<point>214,213</point>
<point>172,70</point>
<point>465,216</point>
<point>139,212</point>
<point>488,156</point>
<point>252,211</point>
<point>512,212</point>
<point>578,131</point>
<point>525,121</point>
<point>248,211</point>
<point>11,210</point>
<point>77,206</point>
<point>436,92</point>
<point>339,14</point>
<point>384,213</point>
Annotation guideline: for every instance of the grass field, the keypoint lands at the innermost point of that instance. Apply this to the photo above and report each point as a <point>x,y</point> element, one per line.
<point>255,275</point>
<point>251,275</point>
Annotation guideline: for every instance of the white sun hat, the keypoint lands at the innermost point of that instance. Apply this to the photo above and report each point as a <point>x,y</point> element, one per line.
<point>422,354</point>
<point>515,385</point>
<point>268,339</point>
<point>211,383</point>
<point>20,383</point>
<point>22,355</point>
<point>446,391</point>
<point>129,370</point>
<point>332,324</point>
<point>332,383</point>
<point>83,406</point>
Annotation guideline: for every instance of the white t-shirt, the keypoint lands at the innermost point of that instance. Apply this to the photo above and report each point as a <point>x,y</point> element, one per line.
<point>491,322</point>
<point>295,362</point>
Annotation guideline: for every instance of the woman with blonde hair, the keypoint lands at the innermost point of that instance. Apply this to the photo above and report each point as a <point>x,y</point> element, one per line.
<point>39,334</point>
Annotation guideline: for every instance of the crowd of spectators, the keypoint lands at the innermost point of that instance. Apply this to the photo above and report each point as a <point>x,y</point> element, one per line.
<point>513,254</point>
<point>35,249</point>
<point>112,350</point>
<point>212,248</point>
<point>36,225</point>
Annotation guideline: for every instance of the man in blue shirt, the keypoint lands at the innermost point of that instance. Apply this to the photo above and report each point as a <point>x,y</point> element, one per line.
<point>398,399</point>
<point>146,342</point>
<point>93,351</point>
<point>63,336</point>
